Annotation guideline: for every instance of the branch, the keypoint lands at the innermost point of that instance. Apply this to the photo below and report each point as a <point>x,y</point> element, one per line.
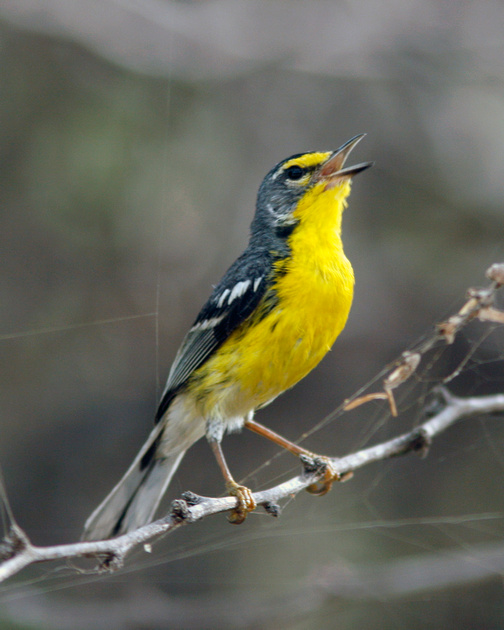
<point>17,552</point>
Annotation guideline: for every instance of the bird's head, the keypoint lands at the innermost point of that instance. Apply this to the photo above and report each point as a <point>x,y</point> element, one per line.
<point>295,187</point>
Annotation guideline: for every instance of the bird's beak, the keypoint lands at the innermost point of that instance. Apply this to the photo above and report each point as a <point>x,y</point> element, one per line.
<point>332,171</point>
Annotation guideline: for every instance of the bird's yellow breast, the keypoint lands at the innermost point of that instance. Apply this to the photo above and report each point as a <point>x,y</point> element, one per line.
<point>314,287</point>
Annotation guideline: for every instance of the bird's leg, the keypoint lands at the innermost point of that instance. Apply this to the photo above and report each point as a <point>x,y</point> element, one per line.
<point>312,463</point>
<point>246,502</point>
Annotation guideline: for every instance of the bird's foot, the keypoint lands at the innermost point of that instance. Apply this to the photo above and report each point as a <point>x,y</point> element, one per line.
<point>324,468</point>
<point>246,502</point>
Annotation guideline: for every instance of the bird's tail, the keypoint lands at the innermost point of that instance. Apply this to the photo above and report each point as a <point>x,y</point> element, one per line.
<point>134,500</point>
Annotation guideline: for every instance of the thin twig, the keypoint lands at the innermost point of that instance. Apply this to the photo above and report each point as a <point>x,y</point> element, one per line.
<point>479,304</point>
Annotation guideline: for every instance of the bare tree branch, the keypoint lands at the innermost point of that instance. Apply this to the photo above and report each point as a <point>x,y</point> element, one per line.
<point>17,552</point>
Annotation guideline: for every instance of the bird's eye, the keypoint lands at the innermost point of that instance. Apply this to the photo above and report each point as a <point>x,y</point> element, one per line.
<point>295,172</point>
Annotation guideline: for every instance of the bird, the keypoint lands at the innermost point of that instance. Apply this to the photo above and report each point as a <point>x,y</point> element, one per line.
<point>270,320</point>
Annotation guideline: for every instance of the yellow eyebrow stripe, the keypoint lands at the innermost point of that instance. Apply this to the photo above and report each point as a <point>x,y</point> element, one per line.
<point>307,160</point>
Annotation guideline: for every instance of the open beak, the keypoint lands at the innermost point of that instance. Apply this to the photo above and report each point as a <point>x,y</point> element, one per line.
<point>332,170</point>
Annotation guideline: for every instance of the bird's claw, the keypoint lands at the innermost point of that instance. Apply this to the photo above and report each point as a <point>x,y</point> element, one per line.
<point>323,467</point>
<point>246,503</point>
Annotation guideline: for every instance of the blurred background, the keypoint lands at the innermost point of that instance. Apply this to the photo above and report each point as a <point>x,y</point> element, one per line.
<point>133,138</point>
